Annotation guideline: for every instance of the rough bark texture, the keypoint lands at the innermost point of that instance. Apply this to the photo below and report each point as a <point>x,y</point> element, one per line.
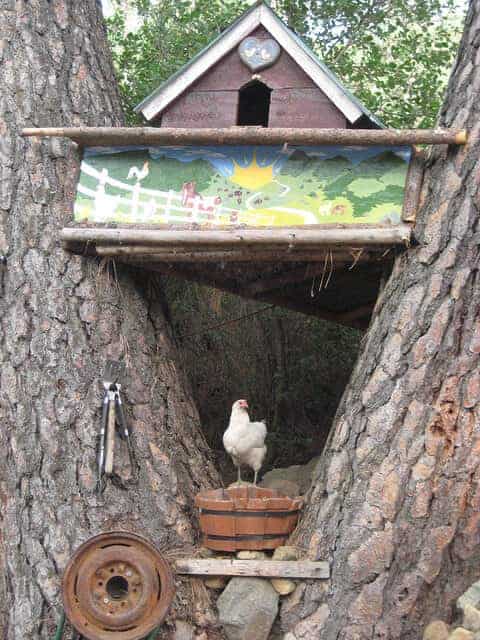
<point>395,505</point>
<point>61,317</point>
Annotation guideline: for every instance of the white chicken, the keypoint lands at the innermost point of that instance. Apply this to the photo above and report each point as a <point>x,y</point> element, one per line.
<point>244,441</point>
<point>139,174</point>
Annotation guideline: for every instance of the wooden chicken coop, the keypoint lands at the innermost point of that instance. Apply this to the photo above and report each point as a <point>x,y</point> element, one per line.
<point>259,174</point>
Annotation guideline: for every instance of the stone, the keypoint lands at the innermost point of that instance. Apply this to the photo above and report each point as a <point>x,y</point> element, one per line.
<point>471,597</point>
<point>183,631</point>
<point>216,582</point>
<point>460,634</point>
<point>436,630</point>
<point>289,636</point>
<point>300,475</point>
<point>285,487</point>
<point>283,586</point>
<point>203,552</point>
<point>285,553</point>
<point>247,609</point>
<point>471,618</point>
<point>251,555</point>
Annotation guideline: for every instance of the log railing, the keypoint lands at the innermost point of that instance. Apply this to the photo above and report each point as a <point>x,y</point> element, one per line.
<point>246,239</point>
<point>118,136</point>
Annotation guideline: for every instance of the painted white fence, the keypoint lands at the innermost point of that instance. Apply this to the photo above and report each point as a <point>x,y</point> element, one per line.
<point>144,205</point>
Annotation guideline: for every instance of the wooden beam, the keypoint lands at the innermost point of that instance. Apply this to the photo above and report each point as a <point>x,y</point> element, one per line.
<point>144,251</point>
<point>307,272</point>
<point>300,306</point>
<point>413,186</point>
<point>108,136</point>
<point>274,257</point>
<point>306,569</point>
<point>191,273</point>
<point>351,236</point>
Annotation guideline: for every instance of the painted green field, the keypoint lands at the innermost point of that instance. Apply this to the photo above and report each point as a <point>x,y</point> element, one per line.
<point>253,186</point>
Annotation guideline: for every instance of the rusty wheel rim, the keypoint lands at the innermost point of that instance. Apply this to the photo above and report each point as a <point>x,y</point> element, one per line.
<point>117,585</point>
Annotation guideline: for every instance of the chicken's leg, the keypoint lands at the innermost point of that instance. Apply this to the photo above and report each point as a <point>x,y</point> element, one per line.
<point>239,479</point>
<point>255,478</point>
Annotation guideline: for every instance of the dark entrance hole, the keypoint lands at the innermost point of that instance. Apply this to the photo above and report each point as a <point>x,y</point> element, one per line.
<point>292,368</point>
<point>117,588</point>
<point>254,104</point>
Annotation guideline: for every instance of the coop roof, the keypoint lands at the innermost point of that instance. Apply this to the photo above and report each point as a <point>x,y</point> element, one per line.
<point>258,15</point>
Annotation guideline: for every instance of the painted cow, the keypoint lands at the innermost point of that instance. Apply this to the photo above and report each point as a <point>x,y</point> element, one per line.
<point>191,199</point>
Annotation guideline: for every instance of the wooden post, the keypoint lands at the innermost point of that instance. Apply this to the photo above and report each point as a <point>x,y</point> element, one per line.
<point>108,136</point>
<point>413,185</point>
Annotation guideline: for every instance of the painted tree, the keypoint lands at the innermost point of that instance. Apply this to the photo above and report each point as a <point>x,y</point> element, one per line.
<point>61,317</point>
<point>395,504</point>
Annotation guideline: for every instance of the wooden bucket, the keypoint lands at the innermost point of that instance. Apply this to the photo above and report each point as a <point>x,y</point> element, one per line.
<point>246,518</point>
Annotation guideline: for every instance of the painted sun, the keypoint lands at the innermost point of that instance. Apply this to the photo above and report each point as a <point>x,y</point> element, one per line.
<point>253,176</point>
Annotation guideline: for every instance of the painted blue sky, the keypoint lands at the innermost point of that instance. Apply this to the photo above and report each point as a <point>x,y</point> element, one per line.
<point>222,158</point>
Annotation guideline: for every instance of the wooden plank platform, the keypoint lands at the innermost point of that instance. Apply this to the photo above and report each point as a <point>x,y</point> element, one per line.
<point>305,569</point>
<point>337,284</point>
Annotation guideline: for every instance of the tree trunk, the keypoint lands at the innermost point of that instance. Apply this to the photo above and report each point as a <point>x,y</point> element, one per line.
<point>61,317</point>
<point>395,504</point>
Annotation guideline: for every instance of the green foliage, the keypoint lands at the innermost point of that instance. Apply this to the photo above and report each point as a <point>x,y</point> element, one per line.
<point>395,55</point>
<point>169,34</point>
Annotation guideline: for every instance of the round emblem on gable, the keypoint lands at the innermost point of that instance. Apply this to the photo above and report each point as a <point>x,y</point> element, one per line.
<point>258,54</point>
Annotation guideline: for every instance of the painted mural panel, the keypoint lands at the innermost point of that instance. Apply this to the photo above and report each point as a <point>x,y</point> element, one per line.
<point>244,185</point>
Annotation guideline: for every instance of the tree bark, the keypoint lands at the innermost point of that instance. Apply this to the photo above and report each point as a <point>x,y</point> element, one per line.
<point>61,317</point>
<point>395,504</point>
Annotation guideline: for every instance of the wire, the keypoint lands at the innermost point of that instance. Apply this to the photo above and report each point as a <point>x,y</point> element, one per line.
<point>331,269</point>
<point>227,322</point>
<point>60,627</point>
